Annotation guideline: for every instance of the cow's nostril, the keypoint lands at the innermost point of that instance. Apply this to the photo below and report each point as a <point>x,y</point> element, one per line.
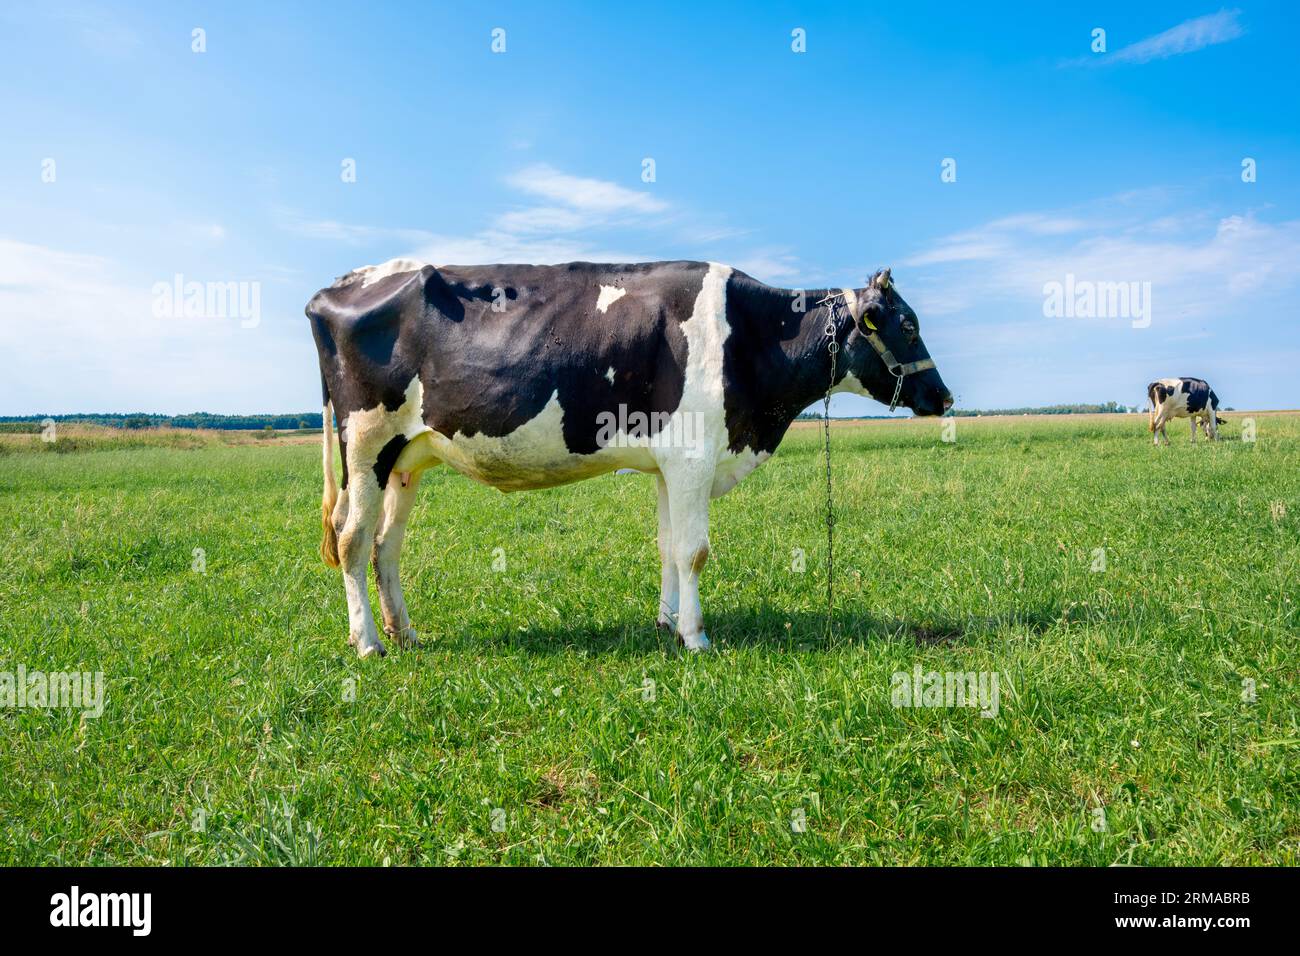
<point>947,401</point>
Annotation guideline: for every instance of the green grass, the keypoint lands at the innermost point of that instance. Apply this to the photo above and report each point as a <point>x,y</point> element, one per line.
<point>226,690</point>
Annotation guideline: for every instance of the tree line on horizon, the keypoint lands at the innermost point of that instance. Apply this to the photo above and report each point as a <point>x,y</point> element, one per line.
<point>137,420</point>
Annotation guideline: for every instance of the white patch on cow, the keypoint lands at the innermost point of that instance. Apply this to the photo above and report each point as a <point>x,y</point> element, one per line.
<point>851,302</point>
<point>367,430</point>
<point>706,332</point>
<point>609,375</point>
<point>372,274</point>
<point>733,468</point>
<point>851,383</point>
<point>535,455</point>
<point>609,294</point>
<point>690,473</point>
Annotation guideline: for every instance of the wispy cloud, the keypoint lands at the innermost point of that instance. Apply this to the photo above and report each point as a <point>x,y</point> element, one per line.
<point>96,29</point>
<point>89,341</point>
<point>330,229</point>
<point>557,217</point>
<point>1187,37</point>
<point>1196,262</point>
<point>772,265</point>
<point>561,217</point>
<point>995,239</point>
<point>578,192</point>
<point>559,229</point>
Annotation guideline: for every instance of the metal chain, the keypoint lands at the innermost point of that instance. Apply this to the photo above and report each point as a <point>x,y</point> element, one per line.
<point>833,347</point>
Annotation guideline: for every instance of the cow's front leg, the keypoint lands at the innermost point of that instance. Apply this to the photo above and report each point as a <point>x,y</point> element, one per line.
<point>668,595</point>
<point>688,506</point>
<point>399,496</point>
<point>356,538</point>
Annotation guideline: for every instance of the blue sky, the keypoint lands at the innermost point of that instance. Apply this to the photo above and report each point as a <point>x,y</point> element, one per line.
<point>804,169</point>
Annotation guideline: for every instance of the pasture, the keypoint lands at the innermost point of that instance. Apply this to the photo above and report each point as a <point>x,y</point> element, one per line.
<point>1148,697</point>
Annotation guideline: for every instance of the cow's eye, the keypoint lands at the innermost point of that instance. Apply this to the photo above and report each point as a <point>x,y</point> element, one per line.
<point>909,329</point>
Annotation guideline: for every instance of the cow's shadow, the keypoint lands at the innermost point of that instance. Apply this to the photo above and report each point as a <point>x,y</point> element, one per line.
<point>796,631</point>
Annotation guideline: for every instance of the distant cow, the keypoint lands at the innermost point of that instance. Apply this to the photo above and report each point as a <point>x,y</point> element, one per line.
<point>1183,398</point>
<point>531,376</point>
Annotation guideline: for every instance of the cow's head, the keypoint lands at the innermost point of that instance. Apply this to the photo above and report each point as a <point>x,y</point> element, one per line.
<point>885,328</point>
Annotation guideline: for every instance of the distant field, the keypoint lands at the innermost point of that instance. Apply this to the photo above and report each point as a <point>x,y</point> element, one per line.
<point>1147,715</point>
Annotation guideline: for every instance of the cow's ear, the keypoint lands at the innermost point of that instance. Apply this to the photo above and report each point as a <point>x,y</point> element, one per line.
<point>865,307</point>
<point>858,306</point>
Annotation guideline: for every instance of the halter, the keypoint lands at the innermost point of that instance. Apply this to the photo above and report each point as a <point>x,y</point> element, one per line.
<point>896,368</point>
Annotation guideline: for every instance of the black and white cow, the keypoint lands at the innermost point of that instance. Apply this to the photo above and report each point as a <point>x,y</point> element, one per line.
<point>523,376</point>
<point>1190,398</point>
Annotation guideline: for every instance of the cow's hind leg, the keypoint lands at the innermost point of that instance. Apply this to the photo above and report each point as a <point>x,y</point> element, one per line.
<point>360,516</point>
<point>668,596</point>
<point>688,505</point>
<point>398,499</point>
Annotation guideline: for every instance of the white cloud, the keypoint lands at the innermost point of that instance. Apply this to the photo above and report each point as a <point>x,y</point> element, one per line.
<point>350,233</point>
<point>579,192</point>
<point>1187,37</point>
<point>89,341</point>
<point>773,266</point>
<point>493,245</point>
<point>1193,261</point>
<point>539,233</point>
<point>996,238</point>
<point>563,218</point>
<point>542,219</point>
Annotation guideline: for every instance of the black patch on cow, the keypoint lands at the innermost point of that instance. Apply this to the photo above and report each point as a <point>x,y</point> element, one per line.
<point>343,454</point>
<point>1158,392</point>
<point>388,458</point>
<point>776,360</point>
<point>1198,394</point>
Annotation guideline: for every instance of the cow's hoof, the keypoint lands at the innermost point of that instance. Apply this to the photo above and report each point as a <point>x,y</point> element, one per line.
<point>407,638</point>
<point>695,643</point>
<point>370,650</point>
<point>664,623</point>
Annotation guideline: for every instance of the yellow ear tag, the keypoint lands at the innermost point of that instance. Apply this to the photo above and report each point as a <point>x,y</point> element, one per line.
<point>868,323</point>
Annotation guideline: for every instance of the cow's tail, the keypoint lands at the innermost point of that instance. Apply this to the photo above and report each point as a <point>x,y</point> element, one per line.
<point>329,542</point>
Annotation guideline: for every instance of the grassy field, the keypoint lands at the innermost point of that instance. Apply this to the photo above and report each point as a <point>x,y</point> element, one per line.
<point>1147,712</point>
